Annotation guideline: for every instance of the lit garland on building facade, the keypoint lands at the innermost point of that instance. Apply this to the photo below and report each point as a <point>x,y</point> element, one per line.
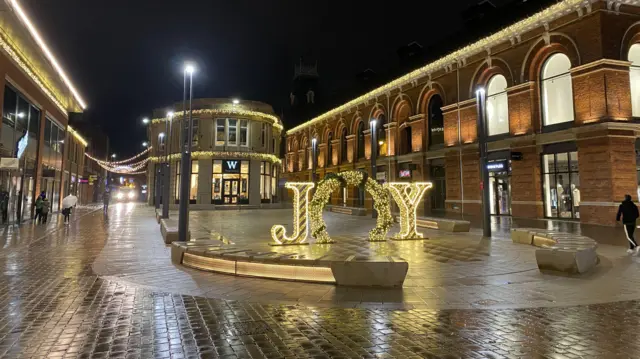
<point>205,155</point>
<point>275,122</point>
<point>300,216</point>
<point>407,196</point>
<point>113,163</point>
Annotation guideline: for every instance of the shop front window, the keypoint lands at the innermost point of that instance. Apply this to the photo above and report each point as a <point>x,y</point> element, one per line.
<point>230,182</point>
<point>267,181</point>
<point>561,185</point>
<point>177,189</point>
<point>193,189</point>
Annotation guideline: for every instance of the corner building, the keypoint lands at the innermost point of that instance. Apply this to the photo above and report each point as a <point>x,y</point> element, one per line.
<point>562,117</point>
<point>234,161</point>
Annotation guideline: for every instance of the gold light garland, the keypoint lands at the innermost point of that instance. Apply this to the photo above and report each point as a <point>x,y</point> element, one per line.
<point>203,155</point>
<point>351,178</point>
<point>227,112</point>
<point>300,216</point>
<point>511,32</point>
<point>407,196</point>
<point>108,163</point>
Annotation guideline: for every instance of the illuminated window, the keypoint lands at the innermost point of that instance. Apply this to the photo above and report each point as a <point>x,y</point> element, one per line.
<point>194,139</point>
<point>177,189</point>
<point>634,74</point>
<point>557,91</point>
<point>497,106</point>
<point>193,189</point>
<point>343,146</point>
<point>329,160</point>
<point>360,140</point>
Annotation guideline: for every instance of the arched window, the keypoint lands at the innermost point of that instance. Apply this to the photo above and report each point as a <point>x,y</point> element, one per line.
<point>360,140</point>
<point>381,135</point>
<point>634,73</point>
<point>436,121</point>
<point>557,91</point>
<point>405,141</point>
<point>497,106</point>
<point>343,146</point>
<point>329,160</point>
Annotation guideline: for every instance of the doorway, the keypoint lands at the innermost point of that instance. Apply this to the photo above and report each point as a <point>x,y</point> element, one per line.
<point>230,191</point>
<point>439,190</point>
<point>500,193</point>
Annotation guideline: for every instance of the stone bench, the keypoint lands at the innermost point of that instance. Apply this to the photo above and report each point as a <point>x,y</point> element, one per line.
<point>443,224</point>
<point>352,211</point>
<point>169,230</point>
<point>214,256</point>
<point>558,251</point>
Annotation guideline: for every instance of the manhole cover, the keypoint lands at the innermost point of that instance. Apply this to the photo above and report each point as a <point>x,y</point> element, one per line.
<point>248,328</point>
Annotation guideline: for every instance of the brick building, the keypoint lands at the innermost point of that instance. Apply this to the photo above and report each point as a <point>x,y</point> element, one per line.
<point>562,109</point>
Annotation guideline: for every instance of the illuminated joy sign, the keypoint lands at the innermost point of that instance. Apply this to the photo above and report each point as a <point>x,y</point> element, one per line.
<point>22,145</point>
<point>308,213</point>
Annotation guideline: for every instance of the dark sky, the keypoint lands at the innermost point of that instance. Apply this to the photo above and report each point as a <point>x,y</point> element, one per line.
<point>125,56</point>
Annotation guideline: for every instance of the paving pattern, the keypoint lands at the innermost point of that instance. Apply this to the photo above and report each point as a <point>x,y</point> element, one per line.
<point>53,304</point>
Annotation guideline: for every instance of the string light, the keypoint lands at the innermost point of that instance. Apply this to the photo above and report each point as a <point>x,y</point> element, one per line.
<point>350,178</point>
<point>300,215</point>
<point>275,122</point>
<point>113,163</point>
<point>204,155</point>
<point>407,196</point>
<point>509,33</point>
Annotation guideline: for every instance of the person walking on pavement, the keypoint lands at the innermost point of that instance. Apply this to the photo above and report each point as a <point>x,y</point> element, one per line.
<point>629,213</point>
<point>67,204</point>
<point>106,197</point>
<point>46,205</point>
<point>38,206</point>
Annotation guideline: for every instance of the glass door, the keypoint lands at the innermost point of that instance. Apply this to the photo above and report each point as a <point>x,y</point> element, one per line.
<point>230,191</point>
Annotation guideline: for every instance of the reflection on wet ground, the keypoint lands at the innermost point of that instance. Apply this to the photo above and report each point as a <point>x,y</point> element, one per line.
<point>54,305</point>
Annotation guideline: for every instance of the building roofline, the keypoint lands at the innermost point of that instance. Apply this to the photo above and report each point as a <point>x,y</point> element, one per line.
<point>509,33</point>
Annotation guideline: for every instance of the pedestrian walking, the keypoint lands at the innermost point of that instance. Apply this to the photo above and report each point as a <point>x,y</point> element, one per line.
<point>67,205</point>
<point>46,205</point>
<point>38,206</point>
<point>106,197</point>
<point>628,211</point>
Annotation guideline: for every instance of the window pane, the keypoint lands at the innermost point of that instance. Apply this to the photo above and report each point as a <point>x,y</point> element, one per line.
<point>195,166</point>
<point>262,167</point>
<point>217,166</point>
<point>497,106</point>
<point>574,161</point>
<point>634,77</point>
<point>557,90</point>
<point>562,162</point>
<point>244,131</point>
<point>563,190</point>
<point>232,131</point>
<point>244,167</point>
<point>548,164</point>
<point>575,194</point>
<point>550,196</point>
<point>193,190</point>
<point>220,131</point>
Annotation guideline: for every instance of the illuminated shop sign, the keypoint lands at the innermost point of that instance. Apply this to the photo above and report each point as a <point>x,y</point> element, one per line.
<point>498,166</point>
<point>231,166</point>
<point>405,174</point>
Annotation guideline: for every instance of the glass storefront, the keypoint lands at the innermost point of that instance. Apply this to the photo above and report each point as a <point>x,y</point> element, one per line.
<point>500,187</point>
<point>193,188</point>
<point>561,182</point>
<point>268,182</point>
<point>230,182</point>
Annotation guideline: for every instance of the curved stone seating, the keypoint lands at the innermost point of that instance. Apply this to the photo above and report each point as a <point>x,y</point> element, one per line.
<point>443,224</point>
<point>558,251</point>
<point>214,256</point>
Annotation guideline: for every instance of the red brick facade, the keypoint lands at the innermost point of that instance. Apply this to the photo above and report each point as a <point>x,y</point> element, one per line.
<point>594,37</point>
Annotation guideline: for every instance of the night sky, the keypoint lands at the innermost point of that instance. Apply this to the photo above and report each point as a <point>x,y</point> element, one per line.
<point>125,56</point>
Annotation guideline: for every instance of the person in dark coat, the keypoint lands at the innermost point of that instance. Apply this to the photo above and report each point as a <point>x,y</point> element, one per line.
<point>628,211</point>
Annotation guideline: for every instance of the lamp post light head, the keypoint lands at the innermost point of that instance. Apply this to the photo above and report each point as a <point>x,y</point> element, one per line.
<point>189,69</point>
<point>381,143</point>
<point>145,120</point>
<point>161,135</point>
<point>113,155</point>
<point>170,115</point>
<point>145,144</point>
<point>235,101</point>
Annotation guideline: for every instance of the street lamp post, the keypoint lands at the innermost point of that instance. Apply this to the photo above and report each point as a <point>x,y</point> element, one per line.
<point>166,189</point>
<point>484,172</point>
<point>374,154</point>
<point>314,158</point>
<point>183,219</point>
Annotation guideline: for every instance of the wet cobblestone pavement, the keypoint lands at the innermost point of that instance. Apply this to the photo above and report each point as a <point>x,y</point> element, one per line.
<point>53,305</point>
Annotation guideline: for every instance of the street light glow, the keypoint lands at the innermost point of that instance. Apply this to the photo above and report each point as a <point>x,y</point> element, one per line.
<point>170,114</point>
<point>113,155</point>
<point>145,144</point>
<point>236,101</point>
<point>314,140</point>
<point>145,120</point>
<point>161,135</point>
<point>21,115</point>
<point>381,143</point>
<point>189,68</point>
<point>372,123</point>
